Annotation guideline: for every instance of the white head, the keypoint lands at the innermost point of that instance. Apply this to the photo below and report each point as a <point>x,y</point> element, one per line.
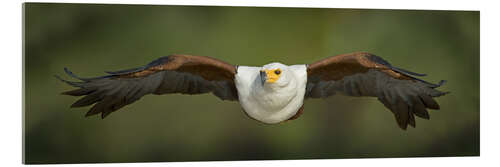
<point>275,75</point>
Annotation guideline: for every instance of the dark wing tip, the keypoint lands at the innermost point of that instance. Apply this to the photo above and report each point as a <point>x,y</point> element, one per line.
<point>127,71</point>
<point>406,72</point>
<point>80,78</point>
<point>441,94</point>
<point>72,75</point>
<point>441,83</point>
<point>402,124</point>
<point>381,61</point>
<point>63,80</point>
<point>75,105</point>
<point>410,74</point>
<point>104,114</point>
<point>411,120</point>
<point>157,62</point>
<point>59,78</point>
<point>75,84</point>
<point>161,60</point>
<point>88,114</point>
<point>404,127</point>
<point>437,93</point>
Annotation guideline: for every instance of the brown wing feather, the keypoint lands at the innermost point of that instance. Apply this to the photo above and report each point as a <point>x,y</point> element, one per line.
<point>364,74</point>
<point>336,67</point>
<point>184,74</point>
<point>206,67</point>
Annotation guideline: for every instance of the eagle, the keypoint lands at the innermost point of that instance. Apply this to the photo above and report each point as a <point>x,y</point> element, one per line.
<point>270,94</point>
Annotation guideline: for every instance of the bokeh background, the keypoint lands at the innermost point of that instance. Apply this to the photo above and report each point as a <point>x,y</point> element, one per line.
<point>92,38</point>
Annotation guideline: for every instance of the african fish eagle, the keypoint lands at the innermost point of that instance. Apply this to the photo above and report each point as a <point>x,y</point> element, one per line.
<point>270,94</point>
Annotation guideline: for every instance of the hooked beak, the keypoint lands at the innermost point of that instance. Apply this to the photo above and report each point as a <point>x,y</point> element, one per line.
<point>263,76</point>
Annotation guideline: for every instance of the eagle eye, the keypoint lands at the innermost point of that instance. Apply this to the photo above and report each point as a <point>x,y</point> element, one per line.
<point>277,72</point>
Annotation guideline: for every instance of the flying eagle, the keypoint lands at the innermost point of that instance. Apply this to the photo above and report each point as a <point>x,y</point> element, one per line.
<point>270,94</point>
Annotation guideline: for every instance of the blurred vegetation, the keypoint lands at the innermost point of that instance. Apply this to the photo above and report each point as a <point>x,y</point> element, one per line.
<point>92,38</point>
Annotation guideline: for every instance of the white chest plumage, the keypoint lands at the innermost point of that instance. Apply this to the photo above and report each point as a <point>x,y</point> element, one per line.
<point>271,103</point>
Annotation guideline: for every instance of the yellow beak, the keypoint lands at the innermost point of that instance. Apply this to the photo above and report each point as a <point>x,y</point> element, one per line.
<point>269,76</point>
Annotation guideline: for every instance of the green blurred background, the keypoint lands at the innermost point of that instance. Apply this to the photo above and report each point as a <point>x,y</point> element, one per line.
<point>92,38</point>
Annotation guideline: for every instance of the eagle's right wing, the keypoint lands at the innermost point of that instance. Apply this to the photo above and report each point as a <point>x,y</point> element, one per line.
<point>184,74</point>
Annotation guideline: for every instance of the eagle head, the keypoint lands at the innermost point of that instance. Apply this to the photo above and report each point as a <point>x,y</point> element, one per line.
<point>274,74</point>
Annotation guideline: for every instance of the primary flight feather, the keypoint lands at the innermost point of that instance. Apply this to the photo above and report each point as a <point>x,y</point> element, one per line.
<point>270,94</point>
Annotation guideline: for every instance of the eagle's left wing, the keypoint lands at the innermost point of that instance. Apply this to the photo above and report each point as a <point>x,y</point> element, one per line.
<point>184,74</point>
<point>364,74</point>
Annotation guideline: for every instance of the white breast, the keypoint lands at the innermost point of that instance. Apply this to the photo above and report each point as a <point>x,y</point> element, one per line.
<point>266,105</point>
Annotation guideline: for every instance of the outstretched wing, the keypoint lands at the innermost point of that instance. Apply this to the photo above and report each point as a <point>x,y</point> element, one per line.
<point>170,74</point>
<point>364,74</point>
